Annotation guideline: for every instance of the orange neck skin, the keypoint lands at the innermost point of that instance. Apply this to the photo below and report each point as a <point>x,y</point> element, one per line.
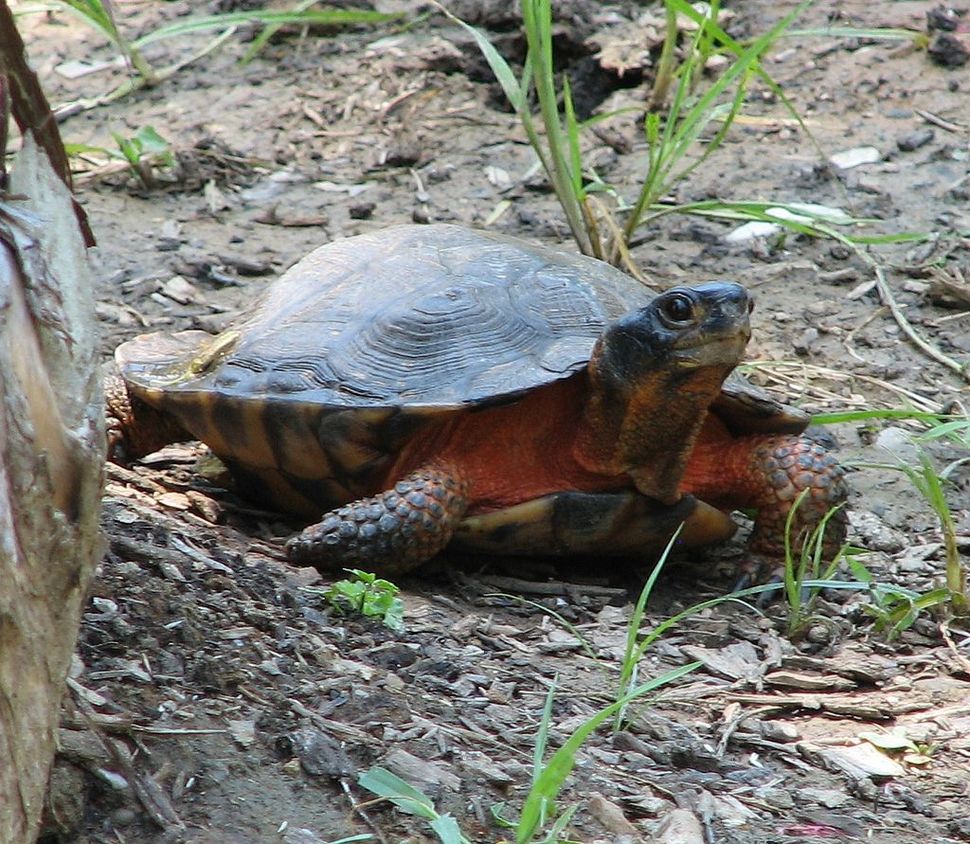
<point>723,470</point>
<point>557,438</point>
<point>650,432</point>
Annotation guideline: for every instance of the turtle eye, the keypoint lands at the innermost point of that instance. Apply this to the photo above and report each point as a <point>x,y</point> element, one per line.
<point>677,309</point>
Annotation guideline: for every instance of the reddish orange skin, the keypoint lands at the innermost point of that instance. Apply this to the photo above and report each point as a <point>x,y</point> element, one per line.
<point>511,453</point>
<point>523,451</point>
<point>720,471</point>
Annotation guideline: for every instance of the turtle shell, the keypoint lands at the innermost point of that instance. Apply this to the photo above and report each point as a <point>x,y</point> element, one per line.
<point>312,394</point>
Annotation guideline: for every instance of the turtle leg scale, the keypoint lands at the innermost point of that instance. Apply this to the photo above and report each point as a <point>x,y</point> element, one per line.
<point>782,469</point>
<point>392,532</point>
<point>792,467</point>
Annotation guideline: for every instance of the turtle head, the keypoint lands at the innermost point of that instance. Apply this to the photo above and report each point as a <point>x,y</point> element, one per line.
<point>653,374</point>
<point>681,331</point>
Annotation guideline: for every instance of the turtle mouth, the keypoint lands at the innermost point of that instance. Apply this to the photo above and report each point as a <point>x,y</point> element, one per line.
<point>706,350</point>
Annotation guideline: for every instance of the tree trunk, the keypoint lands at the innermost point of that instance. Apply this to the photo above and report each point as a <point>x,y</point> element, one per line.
<point>51,458</point>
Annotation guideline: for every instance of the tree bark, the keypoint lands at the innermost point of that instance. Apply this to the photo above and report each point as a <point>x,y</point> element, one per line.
<point>51,459</point>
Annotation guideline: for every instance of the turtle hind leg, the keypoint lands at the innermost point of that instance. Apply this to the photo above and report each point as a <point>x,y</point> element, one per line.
<point>134,428</point>
<point>392,532</point>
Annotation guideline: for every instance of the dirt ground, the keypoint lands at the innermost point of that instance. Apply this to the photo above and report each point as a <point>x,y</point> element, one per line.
<point>218,698</point>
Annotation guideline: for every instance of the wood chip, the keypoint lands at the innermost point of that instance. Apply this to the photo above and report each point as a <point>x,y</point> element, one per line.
<point>858,761</point>
<point>679,827</point>
<point>811,682</point>
<point>419,773</point>
<point>611,816</point>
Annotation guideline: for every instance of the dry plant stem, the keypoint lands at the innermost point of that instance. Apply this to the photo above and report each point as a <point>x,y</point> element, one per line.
<point>151,796</point>
<point>954,650</point>
<point>51,456</point>
<point>358,807</point>
<point>665,67</point>
<point>885,294</point>
<point>139,82</point>
<point>778,371</point>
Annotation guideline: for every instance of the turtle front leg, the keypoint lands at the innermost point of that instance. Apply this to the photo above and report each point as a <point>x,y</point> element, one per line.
<point>769,473</point>
<point>392,532</point>
<point>781,470</point>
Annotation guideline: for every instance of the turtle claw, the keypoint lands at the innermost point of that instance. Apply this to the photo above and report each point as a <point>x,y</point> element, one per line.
<point>761,570</point>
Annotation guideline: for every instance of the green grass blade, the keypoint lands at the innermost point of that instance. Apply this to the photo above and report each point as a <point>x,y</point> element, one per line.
<point>447,830</point>
<point>630,659</point>
<point>884,34</point>
<point>514,92</point>
<point>572,138</point>
<point>542,736</point>
<point>335,17</point>
<point>401,793</point>
<point>549,783</point>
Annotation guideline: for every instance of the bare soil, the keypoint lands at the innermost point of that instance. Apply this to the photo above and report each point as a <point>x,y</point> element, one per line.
<point>217,696</point>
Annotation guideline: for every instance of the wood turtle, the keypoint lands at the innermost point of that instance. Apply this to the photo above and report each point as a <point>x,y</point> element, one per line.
<point>423,386</point>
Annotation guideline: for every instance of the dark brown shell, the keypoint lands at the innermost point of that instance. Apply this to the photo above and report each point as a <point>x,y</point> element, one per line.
<point>412,316</point>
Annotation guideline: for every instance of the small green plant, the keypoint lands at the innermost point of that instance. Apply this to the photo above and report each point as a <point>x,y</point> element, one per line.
<point>367,594</point>
<point>685,123</point>
<point>548,776</point>
<point>894,608</point>
<point>807,565</point>
<point>637,642</point>
<point>673,137</point>
<point>144,152</point>
<point>407,798</point>
<point>99,14</point>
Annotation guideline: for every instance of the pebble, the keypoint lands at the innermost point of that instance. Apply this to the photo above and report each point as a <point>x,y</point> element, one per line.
<point>899,443</point>
<point>875,534</point>
<point>830,798</point>
<point>780,731</point>
<point>914,140</point>
<point>850,158</point>
<point>804,342</point>
<point>750,231</point>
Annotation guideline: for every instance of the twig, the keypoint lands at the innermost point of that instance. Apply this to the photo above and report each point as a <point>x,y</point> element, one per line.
<point>959,657</point>
<point>778,370</point>
<point>929,117</point>
<point>962,369</point>
<point>359,809</point>
<point>149,793</point>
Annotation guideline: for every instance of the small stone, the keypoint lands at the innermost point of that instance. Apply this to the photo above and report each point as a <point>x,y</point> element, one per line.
<point>319,754</point>
<point>777,798</point>
<point>914,140</point>
<point>752,231</point>
<point>947,50</point>
<point>243,732</point>
<point>850,158</point>
<point>898,442</point>
<point>830,798</point>
<point>779,731</point>
<point>362,210</point>
<point>804,342</point>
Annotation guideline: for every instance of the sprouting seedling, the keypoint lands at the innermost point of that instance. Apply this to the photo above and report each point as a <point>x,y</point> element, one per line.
<point>368,595</point>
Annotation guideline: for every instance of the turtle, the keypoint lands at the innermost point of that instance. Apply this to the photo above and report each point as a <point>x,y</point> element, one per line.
<point>430,386</point>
